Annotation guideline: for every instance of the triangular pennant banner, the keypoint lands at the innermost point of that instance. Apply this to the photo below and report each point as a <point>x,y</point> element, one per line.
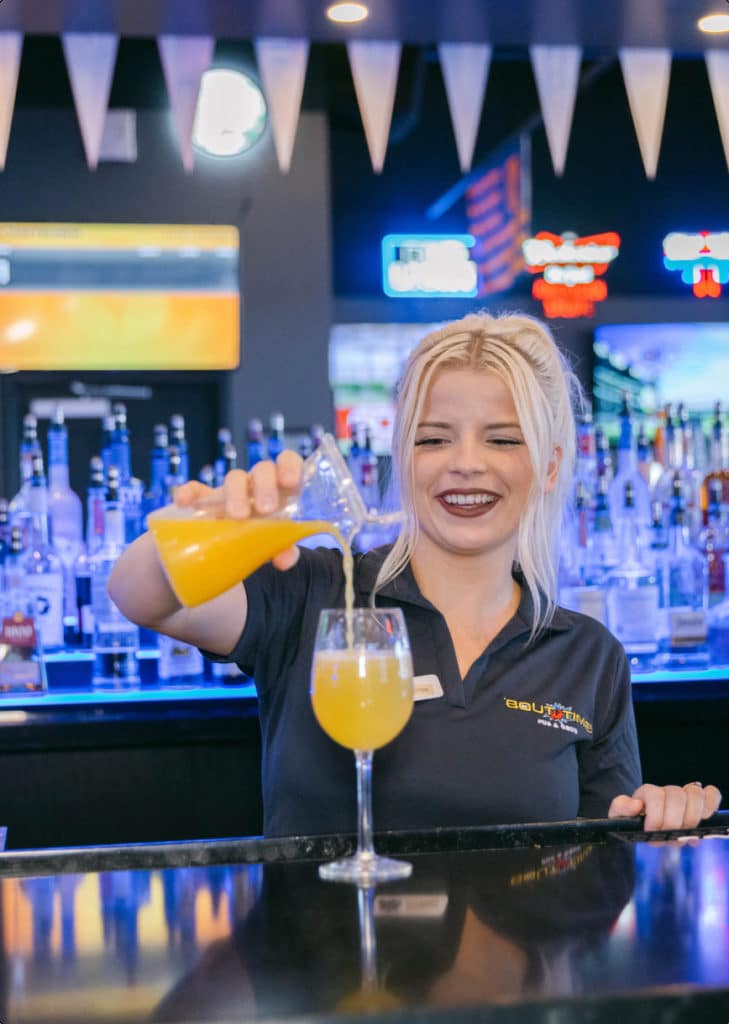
<point>11,43</point>
<point>557,72</point>
<point>184,61</point>
<point>282,64</point>
<point>717,64</point>
<point>90,59</point>
<point>465,69</point>
<point>646,73</point>
<point>374,70</point>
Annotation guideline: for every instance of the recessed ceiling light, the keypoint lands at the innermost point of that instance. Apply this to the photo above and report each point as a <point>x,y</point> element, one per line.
<point>230,115</point>
<point>714,23</point>
<point>347,13</point>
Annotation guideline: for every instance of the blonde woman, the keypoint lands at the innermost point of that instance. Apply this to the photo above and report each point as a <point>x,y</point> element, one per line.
<point>523,710</point>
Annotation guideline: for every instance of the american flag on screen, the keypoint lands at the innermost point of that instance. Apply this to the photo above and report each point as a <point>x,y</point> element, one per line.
<point>498,208</point>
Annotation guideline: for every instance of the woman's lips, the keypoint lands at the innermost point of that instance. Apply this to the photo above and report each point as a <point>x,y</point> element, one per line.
<point>467,511</point>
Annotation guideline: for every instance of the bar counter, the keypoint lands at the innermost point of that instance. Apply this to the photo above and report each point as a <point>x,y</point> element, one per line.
<point>545,924</point>
<point>164,763</point>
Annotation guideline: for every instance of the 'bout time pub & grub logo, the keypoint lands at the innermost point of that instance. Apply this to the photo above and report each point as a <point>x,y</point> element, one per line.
<point>552,716</point>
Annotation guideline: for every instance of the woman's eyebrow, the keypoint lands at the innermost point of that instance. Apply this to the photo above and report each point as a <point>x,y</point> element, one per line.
<point>486,426</point>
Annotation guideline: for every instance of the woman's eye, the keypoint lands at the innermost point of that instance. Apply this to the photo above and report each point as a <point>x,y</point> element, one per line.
<point>506,441</point>
<point>430,442</point>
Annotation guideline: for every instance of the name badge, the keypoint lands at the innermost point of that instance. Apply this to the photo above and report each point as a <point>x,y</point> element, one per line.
<point>426,687</point>
<point>415,905</point>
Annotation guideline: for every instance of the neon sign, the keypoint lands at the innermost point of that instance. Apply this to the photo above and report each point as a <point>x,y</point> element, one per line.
<point>428,266</point>
<point>702,258</point>
<point>571,269</point>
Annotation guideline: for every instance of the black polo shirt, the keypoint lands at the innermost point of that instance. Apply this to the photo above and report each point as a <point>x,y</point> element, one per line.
<point>540,731</point>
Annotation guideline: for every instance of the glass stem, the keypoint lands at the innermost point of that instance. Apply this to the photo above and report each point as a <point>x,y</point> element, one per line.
<point>363,759</point>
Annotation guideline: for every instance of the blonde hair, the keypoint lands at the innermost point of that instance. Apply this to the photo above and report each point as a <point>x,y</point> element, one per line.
<point>522,351</point>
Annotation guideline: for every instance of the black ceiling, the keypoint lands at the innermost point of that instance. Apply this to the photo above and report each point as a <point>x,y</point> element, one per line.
<point>595,24</point>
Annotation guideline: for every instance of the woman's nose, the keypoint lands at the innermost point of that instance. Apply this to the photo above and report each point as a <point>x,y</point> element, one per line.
<point>470,456</point>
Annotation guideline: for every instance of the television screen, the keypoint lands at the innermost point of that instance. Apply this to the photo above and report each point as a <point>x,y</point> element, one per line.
<point>659,363</point>
<point>119,297</point>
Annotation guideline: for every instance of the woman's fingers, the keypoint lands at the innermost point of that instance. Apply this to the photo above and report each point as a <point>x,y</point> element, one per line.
<point>288,468</point>
<point>192,491</point>
<point>667,808</point>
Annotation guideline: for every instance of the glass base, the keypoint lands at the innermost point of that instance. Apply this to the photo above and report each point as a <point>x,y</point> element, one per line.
<point>365,869</point>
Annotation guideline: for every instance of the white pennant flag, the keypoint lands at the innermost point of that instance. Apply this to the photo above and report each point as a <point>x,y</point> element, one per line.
<point>11,43</point>
<point>557,72</point>
<point>282,64</point>
<point>184,61</point>
<point>465,69</point>
<point>374,70</point>
<point>717,64</point>
<point>90,59</point>
<point>646,73</point>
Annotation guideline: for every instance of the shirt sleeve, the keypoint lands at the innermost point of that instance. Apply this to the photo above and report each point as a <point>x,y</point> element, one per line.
<point>277,603</point>
<point>610,765</point>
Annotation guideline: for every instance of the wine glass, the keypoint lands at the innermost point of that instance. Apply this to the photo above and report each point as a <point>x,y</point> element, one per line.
<point>362,695</point>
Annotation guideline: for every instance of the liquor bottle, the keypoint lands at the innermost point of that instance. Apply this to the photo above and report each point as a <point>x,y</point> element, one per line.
<point>107,434</point>
<point>305,446</point>
<point>656,555</point>
<point>575,592</point>
<point>66,517</point>
<point>95,502</point>
<point>177,438</point>
<point>4,535</point>
<point>369,485</point>
<point>317,433</point>
<point>254,448</point>
<point>116,640</point>
<point>644,455</point>
<point>632,587</point>
<point>224,438</point>
<point>718,460</point>
<point>174,476</point>
<point>22,666</point>
<point>230,459</point>
<point>20,505</point>
<point>603,455</point>
<point>276,439</point>
<point>43,567</point>
<point>179,661</point>
<point>353,456</point>
<point>120,445</point>
<point>586,462</point>
<point>627,472</point>
<point>207,475</point>
<point>155,496</point>
<point>679,461</point>
<point>602,552</point>
<point>687,588</point>
<point>713,541</point>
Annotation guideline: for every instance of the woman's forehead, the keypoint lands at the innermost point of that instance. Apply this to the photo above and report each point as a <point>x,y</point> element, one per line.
<point>462,386</point>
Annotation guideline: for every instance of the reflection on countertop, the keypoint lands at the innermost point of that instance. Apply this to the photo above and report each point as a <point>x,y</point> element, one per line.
<point>489,927</point>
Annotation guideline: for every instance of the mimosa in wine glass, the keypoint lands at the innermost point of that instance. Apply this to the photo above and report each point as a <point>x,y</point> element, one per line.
<point>362,695</point>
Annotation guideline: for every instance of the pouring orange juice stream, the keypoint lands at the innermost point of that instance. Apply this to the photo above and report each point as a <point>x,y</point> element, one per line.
<point>360,702</point>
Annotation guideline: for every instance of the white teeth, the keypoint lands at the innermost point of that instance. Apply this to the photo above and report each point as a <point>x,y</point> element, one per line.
<point>469,499</point>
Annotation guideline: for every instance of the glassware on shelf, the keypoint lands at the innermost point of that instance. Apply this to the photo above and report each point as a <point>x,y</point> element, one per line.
<point>362,696</point>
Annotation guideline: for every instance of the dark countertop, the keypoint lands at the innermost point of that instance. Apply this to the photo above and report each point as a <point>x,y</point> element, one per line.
<point>556,924</point>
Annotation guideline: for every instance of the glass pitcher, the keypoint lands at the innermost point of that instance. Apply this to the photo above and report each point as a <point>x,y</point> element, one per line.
<point>204,554</point>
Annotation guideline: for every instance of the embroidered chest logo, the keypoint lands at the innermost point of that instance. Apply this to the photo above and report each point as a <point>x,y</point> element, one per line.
<point>552,716</point>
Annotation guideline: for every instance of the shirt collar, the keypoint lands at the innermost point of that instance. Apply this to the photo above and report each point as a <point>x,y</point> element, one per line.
<point>405,588</point>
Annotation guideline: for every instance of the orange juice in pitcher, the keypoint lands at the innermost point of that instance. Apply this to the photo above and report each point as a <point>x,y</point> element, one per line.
<point>204,556</point>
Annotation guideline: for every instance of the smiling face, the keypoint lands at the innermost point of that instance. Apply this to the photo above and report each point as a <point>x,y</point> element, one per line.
<point>472,470</point>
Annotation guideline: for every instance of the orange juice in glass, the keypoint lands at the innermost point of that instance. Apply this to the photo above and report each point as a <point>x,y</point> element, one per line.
<point>362,697</point>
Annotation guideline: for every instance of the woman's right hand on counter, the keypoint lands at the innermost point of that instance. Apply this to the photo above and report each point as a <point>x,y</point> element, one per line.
<point>258,492</point>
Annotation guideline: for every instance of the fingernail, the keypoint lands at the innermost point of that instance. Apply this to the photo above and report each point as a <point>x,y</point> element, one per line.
<point>237,507</point>
<point>266,503</point>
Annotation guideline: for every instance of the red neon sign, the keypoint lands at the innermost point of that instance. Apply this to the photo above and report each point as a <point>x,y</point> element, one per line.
<point>571,267</point>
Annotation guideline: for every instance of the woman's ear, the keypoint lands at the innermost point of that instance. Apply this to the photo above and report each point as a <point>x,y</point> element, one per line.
<point>553,469</point>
